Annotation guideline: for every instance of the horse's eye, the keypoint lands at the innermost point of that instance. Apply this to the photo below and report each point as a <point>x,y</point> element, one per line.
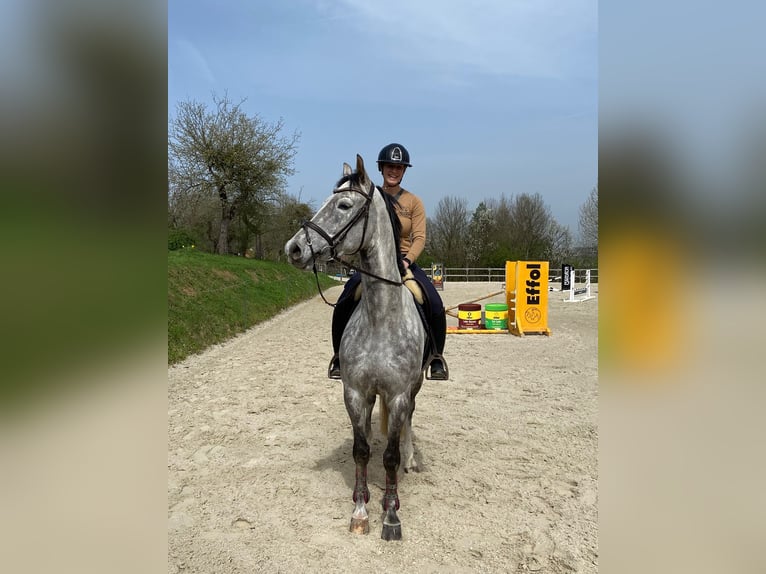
<point>345,204</point>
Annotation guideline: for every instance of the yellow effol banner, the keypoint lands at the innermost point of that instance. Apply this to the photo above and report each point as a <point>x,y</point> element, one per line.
<point>526,287</point>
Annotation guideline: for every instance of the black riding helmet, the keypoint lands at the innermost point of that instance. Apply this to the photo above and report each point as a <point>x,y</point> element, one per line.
<point>394,153</point>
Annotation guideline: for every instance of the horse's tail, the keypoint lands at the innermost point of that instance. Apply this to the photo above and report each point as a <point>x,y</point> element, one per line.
<point>383,418</point>
<point>384,421</point>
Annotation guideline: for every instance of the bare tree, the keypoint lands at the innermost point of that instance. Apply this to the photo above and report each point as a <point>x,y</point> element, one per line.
<point>589,220</point>
<point>448,231</point>
<point>482,239</point>
<point>530,227</point>
<point>560,249</point>
<point>242,160</point>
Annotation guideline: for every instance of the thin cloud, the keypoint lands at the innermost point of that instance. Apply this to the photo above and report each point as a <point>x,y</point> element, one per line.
<point>192,61</point>
<point>493,37</point>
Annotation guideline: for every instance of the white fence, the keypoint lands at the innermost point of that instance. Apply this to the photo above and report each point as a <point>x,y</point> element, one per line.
<point>488,274</point>
<point>497,274</point>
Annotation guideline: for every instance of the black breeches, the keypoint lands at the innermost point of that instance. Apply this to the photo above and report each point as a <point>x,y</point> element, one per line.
<point>344,307</point>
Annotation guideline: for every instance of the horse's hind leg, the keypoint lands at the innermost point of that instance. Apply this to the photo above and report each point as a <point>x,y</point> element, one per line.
<point>368,423</point>
<point>408,452</point>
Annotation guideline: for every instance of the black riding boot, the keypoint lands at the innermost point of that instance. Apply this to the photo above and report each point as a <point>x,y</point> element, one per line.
<point>340,316</point>
<point>439,368</point>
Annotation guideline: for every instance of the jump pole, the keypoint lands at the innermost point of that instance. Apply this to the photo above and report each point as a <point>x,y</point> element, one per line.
<point>449,310</point>
<point>527,310</point>
<point>457,331</point>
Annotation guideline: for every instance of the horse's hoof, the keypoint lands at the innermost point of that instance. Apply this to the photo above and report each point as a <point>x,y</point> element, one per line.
<point>391,531</point>
<point>360,526</point>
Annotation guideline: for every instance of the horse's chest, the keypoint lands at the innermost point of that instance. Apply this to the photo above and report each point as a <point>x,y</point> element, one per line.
<point>376,349</point>
<point>376,342</point>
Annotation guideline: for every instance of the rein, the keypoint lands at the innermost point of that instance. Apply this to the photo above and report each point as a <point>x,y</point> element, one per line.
<point>340,235</point>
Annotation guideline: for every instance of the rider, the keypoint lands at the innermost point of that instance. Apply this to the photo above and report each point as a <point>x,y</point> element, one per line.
<point>393,160</point>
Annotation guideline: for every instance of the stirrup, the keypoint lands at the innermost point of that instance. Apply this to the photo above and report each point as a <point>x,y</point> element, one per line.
<point>440,374</point>
<point>333,369</point>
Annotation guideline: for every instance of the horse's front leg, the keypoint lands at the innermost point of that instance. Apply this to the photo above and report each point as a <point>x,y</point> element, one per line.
<point>392,527</point>
<point>358,411</point>
<point>360,520</point>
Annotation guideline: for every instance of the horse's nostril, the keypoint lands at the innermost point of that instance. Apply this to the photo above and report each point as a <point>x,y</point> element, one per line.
<point>295,251</point>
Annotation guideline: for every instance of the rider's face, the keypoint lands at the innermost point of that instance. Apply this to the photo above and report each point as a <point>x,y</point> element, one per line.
<point>392,174</point>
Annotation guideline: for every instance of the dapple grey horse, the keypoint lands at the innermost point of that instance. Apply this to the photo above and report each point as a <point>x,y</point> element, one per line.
<point>381,353</point>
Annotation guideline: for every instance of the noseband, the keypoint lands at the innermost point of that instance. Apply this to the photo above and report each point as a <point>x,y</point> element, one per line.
<point>333,240</point>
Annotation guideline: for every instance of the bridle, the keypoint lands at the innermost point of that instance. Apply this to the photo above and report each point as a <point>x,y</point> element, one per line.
<point>340,235</point>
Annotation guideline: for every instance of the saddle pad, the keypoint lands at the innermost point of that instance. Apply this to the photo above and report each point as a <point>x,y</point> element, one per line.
<point>412,284</point>
<point>409,281</point>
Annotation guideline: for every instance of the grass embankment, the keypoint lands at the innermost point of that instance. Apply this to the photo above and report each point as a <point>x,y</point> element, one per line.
<point>211,298</point>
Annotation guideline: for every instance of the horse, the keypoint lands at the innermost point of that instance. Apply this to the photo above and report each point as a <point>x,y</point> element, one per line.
<point>381,352</point>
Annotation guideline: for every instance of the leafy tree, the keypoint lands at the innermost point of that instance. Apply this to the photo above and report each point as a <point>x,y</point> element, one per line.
<point>179,239</point>
<point>196,214</point>
<point>288,214</point>
<point>497,257</point>
<point>241,160</point>
<point>504,236</point>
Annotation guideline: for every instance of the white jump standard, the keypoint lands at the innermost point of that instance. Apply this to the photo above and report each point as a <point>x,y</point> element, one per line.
<point>574,293</point>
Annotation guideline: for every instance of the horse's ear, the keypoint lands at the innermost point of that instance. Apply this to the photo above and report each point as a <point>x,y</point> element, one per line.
<point>346,169</point>
<point>360,169</point>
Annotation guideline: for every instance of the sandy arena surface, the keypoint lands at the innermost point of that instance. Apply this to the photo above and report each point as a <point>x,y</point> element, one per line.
<point>260,471</point>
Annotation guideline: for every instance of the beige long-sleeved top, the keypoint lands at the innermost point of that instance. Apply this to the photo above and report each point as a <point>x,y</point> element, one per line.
<point>412,214</point>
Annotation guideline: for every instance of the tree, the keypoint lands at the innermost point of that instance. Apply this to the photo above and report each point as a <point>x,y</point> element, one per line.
<point>589,220</point>
<point>194,214</point>
<point>241,160</point>
<point>560,250</point>
<point>447,231</point>
<point>288,215</point>
<point>530,227</point>
<point>482,239</point>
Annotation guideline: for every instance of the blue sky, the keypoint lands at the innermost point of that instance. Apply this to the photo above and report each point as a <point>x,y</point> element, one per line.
<point>489,97</point>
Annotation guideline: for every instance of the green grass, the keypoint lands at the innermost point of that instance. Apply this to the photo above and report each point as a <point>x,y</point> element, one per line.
<point>212,298</point>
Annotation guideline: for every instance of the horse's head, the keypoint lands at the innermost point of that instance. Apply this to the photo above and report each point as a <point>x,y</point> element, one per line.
<point>340,226</point>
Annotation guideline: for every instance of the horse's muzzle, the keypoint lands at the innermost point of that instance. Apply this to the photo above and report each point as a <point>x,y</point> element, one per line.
<point>298,254</point>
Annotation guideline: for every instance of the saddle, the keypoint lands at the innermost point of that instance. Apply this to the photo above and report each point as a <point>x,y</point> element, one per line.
<point>418,292</point>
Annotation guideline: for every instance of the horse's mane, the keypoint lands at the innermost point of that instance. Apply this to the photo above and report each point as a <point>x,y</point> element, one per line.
<point>391,204</point>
